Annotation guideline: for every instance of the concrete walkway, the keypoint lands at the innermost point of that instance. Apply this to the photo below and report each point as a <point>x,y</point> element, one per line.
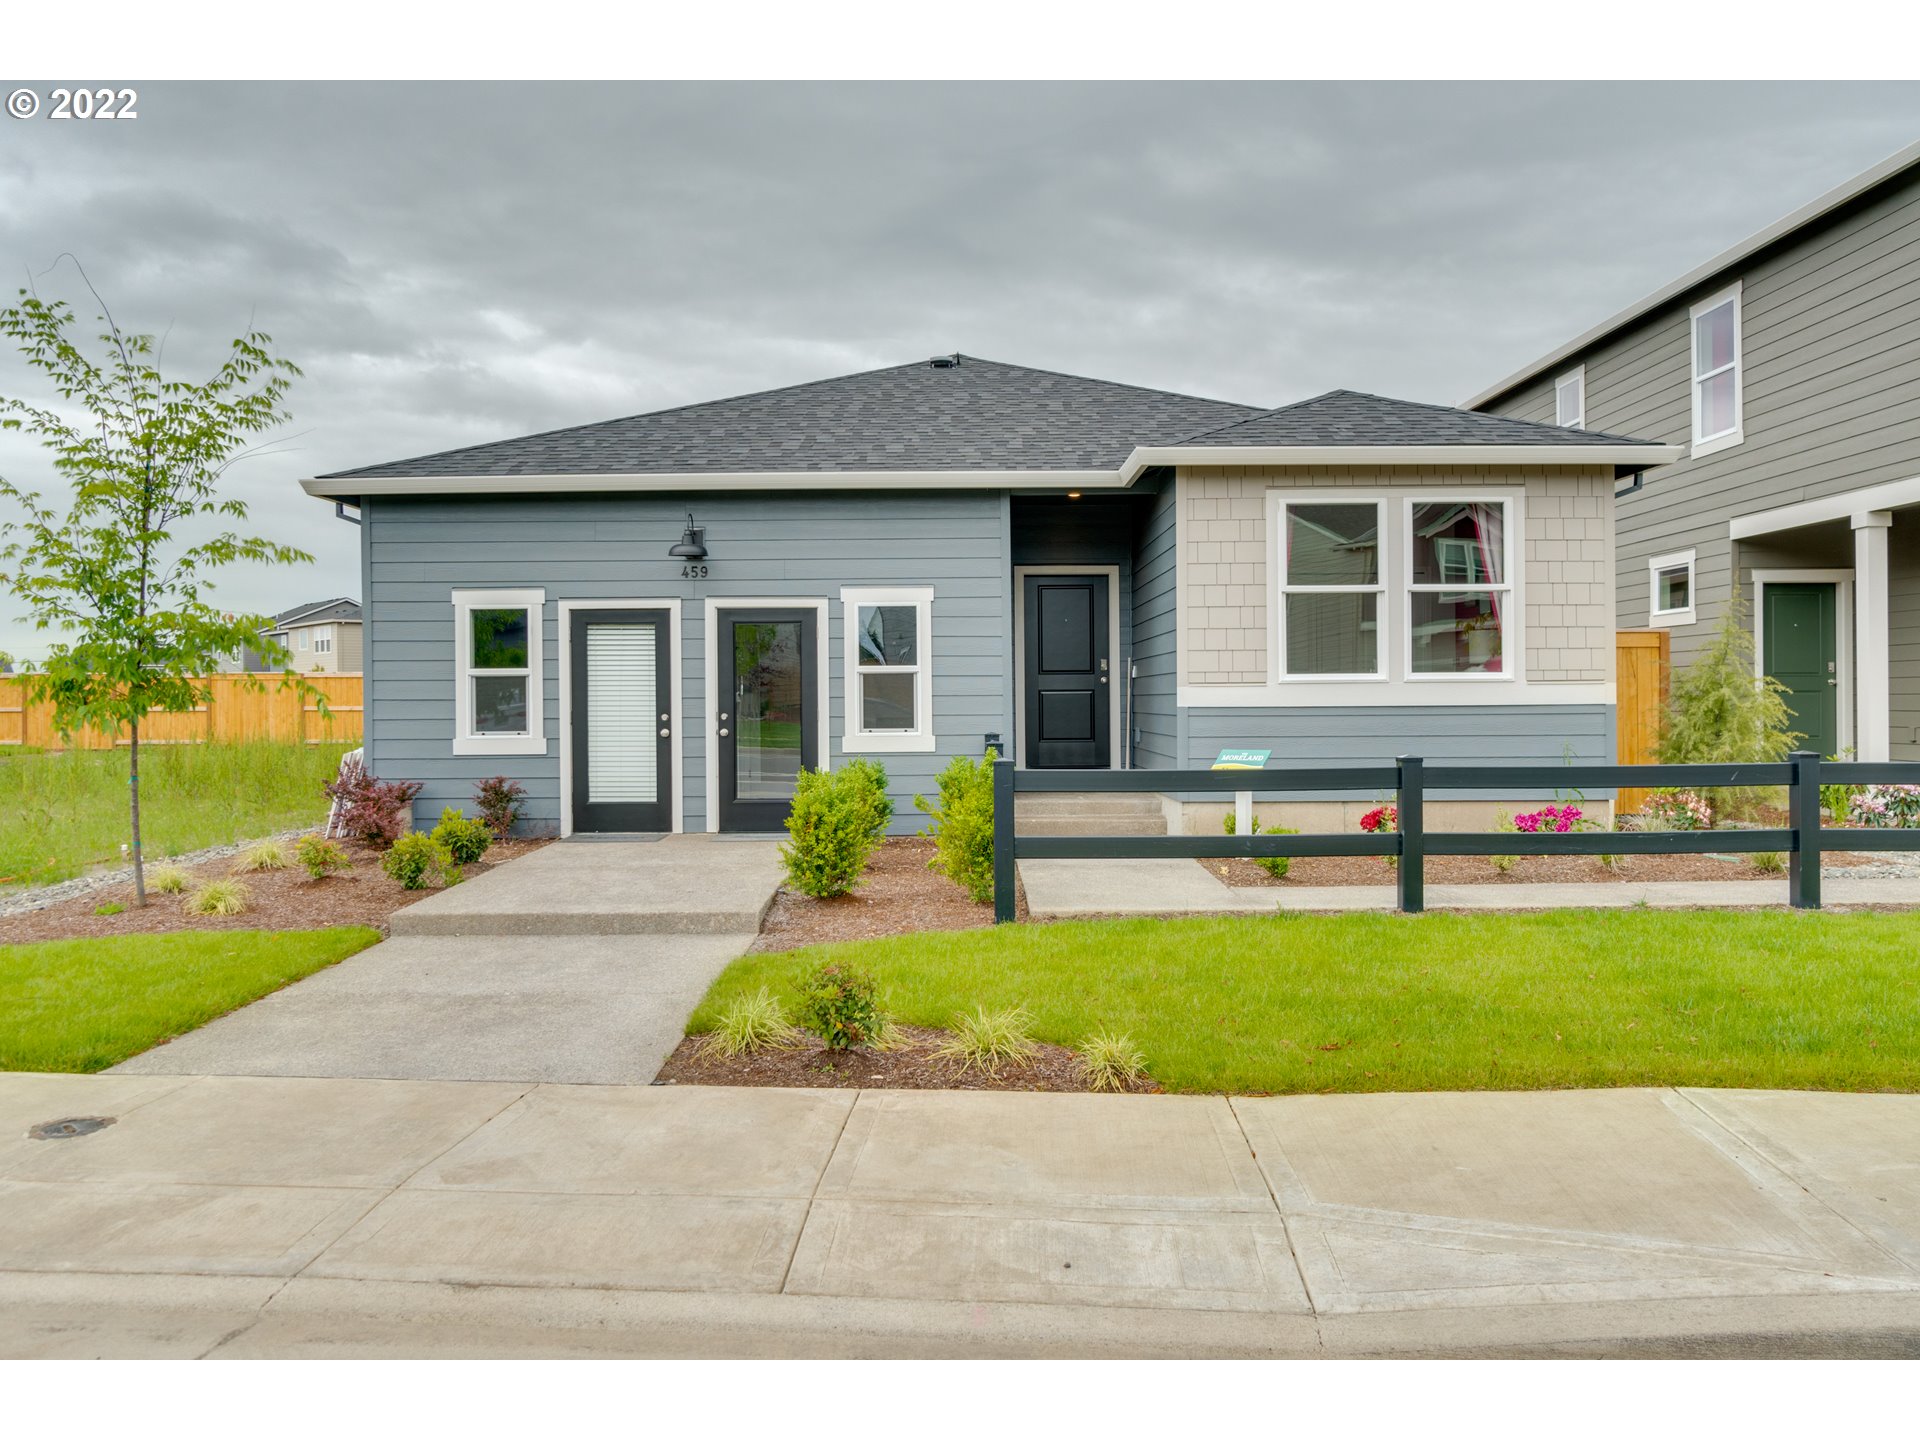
<point>274,1217</point>
<point>1065,889</point>
<point>480,983</point>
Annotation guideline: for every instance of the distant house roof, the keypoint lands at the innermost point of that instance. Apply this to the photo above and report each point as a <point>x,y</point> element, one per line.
<point>956,412</point>
<point>1349,417</point>
<point>1892,168</point>
<point>317,612</point>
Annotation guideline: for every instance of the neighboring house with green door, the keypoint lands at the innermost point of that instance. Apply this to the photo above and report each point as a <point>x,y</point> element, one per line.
<point>1789,368</point>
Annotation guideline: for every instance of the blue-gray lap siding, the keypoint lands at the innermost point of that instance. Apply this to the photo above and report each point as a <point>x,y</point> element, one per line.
<point>1325,735</point>
<point>1156,719</point>
<point>418,550</point>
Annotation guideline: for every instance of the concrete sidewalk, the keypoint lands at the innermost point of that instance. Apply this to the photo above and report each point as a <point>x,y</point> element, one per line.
<point>1069,889</point>
<point>274,1217</point>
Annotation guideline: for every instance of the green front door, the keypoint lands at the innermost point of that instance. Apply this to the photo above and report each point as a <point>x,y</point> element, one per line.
<point>1803,654</point>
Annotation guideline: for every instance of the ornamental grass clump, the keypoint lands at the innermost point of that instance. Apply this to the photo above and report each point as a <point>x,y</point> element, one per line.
<point>1767,862</point>
<point>267,855</point>
<point>833,829</point>
<point>1503,864</point>
<point>987,1039</point>
<point>752,1022</point>
<point>838,1004</point>
<point>1111,1062</point>
<point>962,827</point>
<point>1274,865</point>
<point>219,897</point>
<point>168,880</point>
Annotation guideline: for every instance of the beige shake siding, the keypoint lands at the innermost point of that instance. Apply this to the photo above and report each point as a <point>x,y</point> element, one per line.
<point>1567,591</point>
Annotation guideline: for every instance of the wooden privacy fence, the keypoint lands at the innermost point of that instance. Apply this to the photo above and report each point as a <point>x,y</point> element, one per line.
<point>232,712</point>
<point>1642,662</point>
<point>1412,780</point>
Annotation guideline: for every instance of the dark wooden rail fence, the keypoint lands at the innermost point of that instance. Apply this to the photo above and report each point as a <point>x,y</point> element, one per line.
<point>1411,781</point>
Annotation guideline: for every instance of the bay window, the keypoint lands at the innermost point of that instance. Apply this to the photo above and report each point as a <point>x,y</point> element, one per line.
<point>498,701</point>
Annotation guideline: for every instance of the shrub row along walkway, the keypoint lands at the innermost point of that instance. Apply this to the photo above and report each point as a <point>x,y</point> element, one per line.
<point>277,1217</point>
<point>578,963</point>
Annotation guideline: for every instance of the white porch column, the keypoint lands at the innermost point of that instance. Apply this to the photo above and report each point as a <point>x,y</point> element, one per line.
<point>1872,661</point>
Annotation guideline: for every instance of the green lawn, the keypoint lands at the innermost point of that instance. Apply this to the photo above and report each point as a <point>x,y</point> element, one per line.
<point>1432,1002</point>
<point>82,1005</point>
<point>68,810</point>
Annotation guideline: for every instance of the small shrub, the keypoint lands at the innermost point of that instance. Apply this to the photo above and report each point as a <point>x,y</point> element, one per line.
<point>987,1039</point>
<point>219,897</point>
<point>417,858</point>
<point>837,1004</point>
<point>831,832</point>
<point>466,840</point>
<point>267,855</point>
<point>868,778</point>
<point>1837,800</point>
<point>1503,864</point>
<point>962,827</point>
<point>1274,865</point>
<point>1720,714</point>
<point>167,880</point>
<point>1887,807</point>
<point>321,857</point>
<point>374,810</point>
<point>752,1022</point>
<point>109,907</point>
<point>499,801</point>
<point>1767,862</point>
<point>1111,1062</point>
<point>1677,810</point>
<point>1554,820</point>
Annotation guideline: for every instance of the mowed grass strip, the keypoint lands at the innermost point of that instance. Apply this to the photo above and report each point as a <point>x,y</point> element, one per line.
<point>82,1005</point>
<point>67,810</point>
<point>1432,1002</point>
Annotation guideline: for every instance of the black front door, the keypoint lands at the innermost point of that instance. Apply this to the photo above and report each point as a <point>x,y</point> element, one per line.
<point>622,720</point>
<point>767,716</point>
<point>1068,687</point>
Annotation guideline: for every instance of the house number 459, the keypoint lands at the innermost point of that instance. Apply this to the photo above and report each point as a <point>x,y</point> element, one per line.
<point>693,572</point>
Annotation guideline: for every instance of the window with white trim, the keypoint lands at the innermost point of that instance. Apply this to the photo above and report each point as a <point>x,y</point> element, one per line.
<point>1570,399</point>
<point>1331,582</point>
<point>1717,416</point>
<point>303,638</point>
<point>1670,581</point>
<point>889,670</point>
<point>499,703</point>
<point>1459,587</point>
<point>323,642</point>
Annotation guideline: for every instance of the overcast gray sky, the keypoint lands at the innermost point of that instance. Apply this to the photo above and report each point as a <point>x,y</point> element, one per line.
<point>456,263</point>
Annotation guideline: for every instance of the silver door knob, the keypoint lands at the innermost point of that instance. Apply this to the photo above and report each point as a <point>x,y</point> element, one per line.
<point>664,733</point>
<point>723,729</point>
<point>723,714</point>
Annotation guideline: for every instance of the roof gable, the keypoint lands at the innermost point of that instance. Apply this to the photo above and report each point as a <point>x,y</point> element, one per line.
<point>1352,418</point>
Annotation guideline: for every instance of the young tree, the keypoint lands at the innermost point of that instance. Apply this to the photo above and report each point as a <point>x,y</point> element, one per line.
<point>1721,713</point>
<point>114,577</point>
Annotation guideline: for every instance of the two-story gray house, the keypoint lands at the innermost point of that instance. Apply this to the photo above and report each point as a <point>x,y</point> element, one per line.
<point>1788,371</point>
<point>653,623</point>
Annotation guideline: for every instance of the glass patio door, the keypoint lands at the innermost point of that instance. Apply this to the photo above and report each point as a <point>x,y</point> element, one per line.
<point>768,717</point>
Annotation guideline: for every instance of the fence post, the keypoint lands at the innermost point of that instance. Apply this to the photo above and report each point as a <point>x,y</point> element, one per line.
<point>1410,805</point>
<point>1003,892</point>
<point>1803,814</point>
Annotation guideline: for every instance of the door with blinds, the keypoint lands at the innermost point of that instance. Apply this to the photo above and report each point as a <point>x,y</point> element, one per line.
<point>622,721</point>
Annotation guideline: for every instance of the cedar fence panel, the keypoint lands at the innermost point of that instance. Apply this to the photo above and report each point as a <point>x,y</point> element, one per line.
<point>232,712</point>
<point>1642,666</point>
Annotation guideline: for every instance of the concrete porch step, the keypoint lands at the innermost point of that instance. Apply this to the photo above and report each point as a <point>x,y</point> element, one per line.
<point>1090,825</point>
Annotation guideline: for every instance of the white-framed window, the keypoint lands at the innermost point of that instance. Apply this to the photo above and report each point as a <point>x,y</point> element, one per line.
<point>303,638</point>
<point>1717,415</point>
<point>1670,589</point>
<point>1332,589</point>
<point>323,642</point>
<point>499,702</point>
<point>1570,399</point>
<point>889,670</point>
<point>1459,587</point>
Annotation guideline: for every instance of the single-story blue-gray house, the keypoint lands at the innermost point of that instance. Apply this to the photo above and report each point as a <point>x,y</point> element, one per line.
<point>654,622</point>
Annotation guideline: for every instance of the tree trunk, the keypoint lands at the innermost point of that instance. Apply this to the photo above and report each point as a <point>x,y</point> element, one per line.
<point>133,793</point>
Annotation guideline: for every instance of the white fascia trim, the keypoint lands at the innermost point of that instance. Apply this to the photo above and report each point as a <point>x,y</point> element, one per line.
<point>1891,496</point>
<point>1645,455</point>
<point>854,741</point>
<point>1437,691</point>
<point>534,600</point>
<point>676,702</point>
<point>1701,274</point>
<point>1658,619</point>
<point>732,480</point>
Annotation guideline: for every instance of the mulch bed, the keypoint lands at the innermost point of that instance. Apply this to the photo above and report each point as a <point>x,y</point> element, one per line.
<point>912,1066</point>
<point>898,896</point>
<point>1527,870</point>
<point>280,900</point>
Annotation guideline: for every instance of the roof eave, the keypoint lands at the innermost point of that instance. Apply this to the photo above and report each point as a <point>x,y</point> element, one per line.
<point>1840,195</point>
<point>1642,457</point>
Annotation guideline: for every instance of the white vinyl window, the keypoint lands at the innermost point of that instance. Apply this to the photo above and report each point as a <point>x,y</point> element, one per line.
<point>499,704</point>
<point>889,670</point>
<point>1332,580</point>
<point>1570,399</point>
<point>1459,587</point>
<point>323,642</point>
<point>1670,589</point>
<point>1717,418</point>
<point>303,639</point>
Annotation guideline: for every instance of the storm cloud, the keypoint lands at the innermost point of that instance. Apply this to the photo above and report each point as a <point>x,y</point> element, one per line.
<point>455,263</point>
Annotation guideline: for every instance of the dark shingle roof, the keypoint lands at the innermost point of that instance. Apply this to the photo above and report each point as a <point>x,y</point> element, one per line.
<point>351,610</point>
<point>1348,417</point>
<point>973,415</point>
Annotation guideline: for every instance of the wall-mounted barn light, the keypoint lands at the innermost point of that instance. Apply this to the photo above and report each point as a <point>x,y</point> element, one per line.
<point>693,544</point>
